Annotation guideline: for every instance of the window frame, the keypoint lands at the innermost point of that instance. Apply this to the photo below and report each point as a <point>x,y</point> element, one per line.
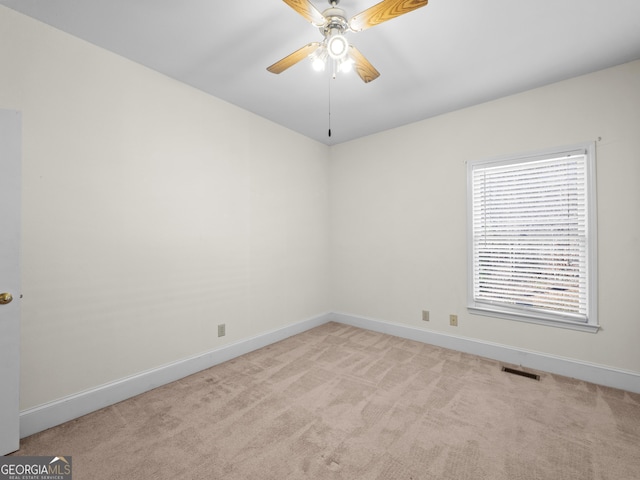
<point>525,314</point>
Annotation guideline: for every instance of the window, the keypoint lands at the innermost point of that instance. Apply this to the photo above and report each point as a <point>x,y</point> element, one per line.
<point>532,238</point>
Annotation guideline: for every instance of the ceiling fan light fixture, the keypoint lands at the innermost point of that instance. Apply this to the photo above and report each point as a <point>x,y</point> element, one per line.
<point>337,46</point>
<point>345,65</point>
<point>319,59</point>
<point>318,65</point>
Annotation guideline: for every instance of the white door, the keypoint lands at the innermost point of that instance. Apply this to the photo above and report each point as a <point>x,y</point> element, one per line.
<point>10,178</point>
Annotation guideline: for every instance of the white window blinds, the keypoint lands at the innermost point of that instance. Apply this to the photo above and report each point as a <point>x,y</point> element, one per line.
<point>530,235</point>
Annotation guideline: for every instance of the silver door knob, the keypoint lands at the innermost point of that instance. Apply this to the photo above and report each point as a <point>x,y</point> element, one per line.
<point>5,298</point>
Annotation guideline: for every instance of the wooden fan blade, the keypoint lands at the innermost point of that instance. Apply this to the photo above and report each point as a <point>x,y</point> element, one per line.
<point>363,67</point>
<point>281,65</point>
<point>383,11</point>
<point>307,10</point>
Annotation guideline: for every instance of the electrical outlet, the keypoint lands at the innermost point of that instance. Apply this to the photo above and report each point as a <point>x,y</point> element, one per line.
<point>221,330</point>
<point>453,320</point>
<point>425,315</point>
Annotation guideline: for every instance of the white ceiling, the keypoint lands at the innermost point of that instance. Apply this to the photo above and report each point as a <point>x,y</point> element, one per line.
<point>442,57</point>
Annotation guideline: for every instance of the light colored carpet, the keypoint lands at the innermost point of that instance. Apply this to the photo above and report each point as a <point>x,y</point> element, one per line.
<point>339,402</point>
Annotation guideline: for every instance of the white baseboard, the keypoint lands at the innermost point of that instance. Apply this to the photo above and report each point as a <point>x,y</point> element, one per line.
<point>589,372</point>
<point>54,413</point>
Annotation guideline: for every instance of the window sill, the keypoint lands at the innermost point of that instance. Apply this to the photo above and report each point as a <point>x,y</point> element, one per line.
<point>492,312</point>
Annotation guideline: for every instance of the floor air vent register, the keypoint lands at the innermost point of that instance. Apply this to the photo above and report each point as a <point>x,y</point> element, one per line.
<point>513,371</point>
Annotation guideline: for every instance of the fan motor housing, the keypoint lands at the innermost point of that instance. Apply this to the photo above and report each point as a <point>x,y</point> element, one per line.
<point>335,21</point>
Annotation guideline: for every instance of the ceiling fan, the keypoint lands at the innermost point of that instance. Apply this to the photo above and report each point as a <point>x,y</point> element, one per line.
<point>333,24</point>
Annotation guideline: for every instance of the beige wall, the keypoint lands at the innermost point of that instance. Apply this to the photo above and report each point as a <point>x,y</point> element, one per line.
<point>152,213</point>
<point>398,230</point>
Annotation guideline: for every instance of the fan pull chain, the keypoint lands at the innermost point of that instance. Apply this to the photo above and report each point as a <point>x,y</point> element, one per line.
<point>329,106</point>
